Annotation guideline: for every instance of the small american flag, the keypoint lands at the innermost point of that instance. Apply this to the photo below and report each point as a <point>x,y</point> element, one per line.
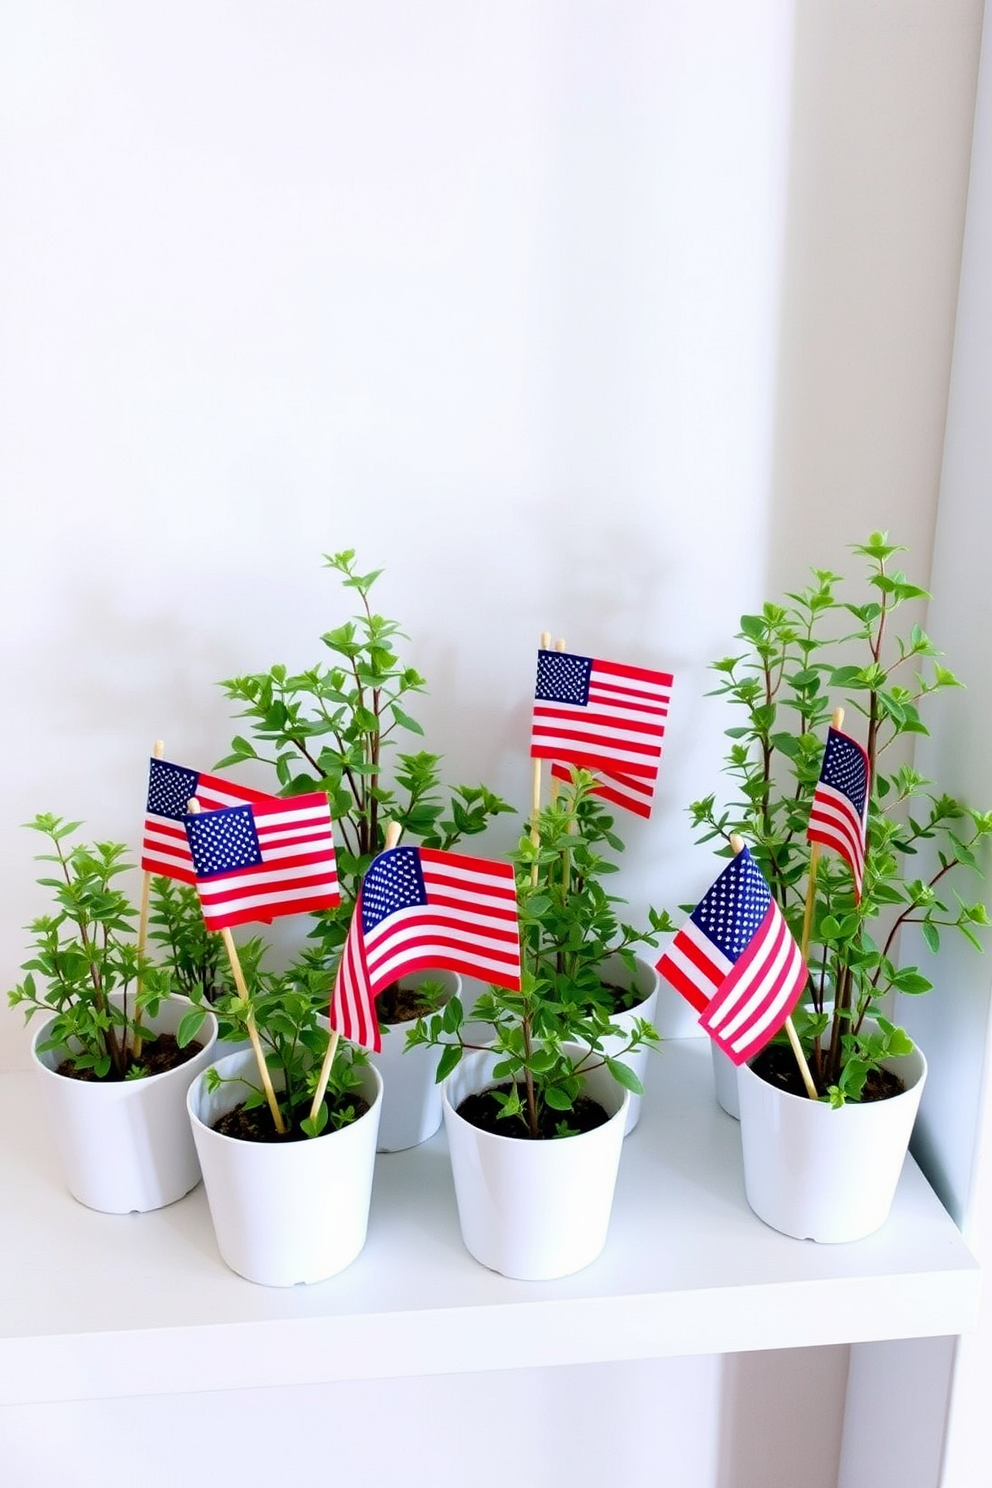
<point>263,860</point>
<point>839,814</point>
<point>735,961</point>
<point>418,909</point>
<point>164,846</point>
<point>603,717</point>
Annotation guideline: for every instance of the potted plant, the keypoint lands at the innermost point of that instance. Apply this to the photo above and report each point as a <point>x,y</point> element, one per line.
<point>335,728</point>
<point>903,847</point>
<point>118,1049</point>
<point>536,1113</point>
<point>287,1157</point>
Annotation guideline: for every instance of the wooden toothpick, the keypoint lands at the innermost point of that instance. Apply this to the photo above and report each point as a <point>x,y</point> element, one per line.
<point>737,843</point>
<point>535,802</point>
<point>193,807</point>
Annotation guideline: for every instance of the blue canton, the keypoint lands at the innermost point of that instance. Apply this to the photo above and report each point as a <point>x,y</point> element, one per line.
<point>730,913</point>
<point>170,788</point>
<point>223,841</point>
<point>844,769</point>
<point>563,678</point>
<point>394,881</point>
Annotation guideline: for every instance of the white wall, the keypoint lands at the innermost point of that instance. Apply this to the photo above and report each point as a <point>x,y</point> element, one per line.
<point>486,292</point>
<point>955,1139</point>
<point>585,316</point>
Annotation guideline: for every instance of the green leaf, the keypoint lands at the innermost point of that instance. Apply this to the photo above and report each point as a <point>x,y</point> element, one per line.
<point>931,935</point>
<point>625,1076</point>
<point>190,1026</point>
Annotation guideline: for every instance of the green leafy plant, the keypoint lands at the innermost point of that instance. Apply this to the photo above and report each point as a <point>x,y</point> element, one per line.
<point>285,1009</point>
<point>195,954</point>
<point>569,927</point>
<point>800,660</point>
<point>86,967</point>
<point>334,727</point>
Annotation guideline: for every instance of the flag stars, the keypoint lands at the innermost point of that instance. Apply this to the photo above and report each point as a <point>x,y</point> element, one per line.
<point>735,906</point>
<point>562,677</point>
<point>223,841</point>
<point>845,768</point>
<point>170,788</point>
<point>394,881</point>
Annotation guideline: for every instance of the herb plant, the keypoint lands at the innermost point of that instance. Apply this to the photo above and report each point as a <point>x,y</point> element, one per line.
<point>569,926</point>
<point>335,727</point>
<point>86,967</point>
<point>286,1008</point>
<point>195,954</point>
<point>799,661</point>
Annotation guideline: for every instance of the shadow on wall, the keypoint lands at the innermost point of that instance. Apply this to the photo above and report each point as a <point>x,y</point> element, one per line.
<point>880,143</point>
<point>782,1425</point>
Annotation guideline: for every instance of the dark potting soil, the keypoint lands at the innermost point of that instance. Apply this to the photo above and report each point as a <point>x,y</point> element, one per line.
<point>399,1004</point>
<point>776,1064</point>
<point>482,1110</point>
<point>157,1055</point>
<point>622,999</point>
<point>256,1125</point>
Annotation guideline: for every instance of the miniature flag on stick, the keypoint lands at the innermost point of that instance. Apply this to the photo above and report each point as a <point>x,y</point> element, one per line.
<point>603,717</point>
<point>242,986</point>
<point>264,860</point>
<point>420,908</point>
<point>839,814</point>
<point>164,846</point>
<point>735,961</point>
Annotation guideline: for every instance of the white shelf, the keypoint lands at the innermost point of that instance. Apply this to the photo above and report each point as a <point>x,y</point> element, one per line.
<point>95,1306</point>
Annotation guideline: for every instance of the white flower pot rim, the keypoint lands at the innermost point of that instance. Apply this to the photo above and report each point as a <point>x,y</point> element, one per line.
<point>598,1064</point>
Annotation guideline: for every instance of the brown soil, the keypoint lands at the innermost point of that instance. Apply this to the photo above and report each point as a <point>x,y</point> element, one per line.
<point>776,1064</point>
<point>157,1056</point>
<point>482,1110</point>
<point>399,1004</point>
<point>623,999</point>
<point>256,1125</point>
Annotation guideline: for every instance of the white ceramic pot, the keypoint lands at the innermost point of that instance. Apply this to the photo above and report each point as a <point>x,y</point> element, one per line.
<point>725,1074</point>
<point>646,981</point>
<point>411,1096</point>
<point>822,1174</point>
<point>284,1212</point>
<point>533,1210</point>
<point>725,1081</point>
<point>125,1145</point>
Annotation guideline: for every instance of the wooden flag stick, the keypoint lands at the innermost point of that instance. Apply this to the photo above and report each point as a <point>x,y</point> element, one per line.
<point>393,831</point>
<point>256,1043</point>
<point>737,843</point>
<point>559,646</point>
<point>157,751</point>
<point>193,807</point>
<point>836,722</point>
<point>143,911</point>
<point>535,800</point>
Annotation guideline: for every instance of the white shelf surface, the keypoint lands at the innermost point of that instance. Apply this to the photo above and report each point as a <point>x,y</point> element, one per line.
<point>98,1306</point>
